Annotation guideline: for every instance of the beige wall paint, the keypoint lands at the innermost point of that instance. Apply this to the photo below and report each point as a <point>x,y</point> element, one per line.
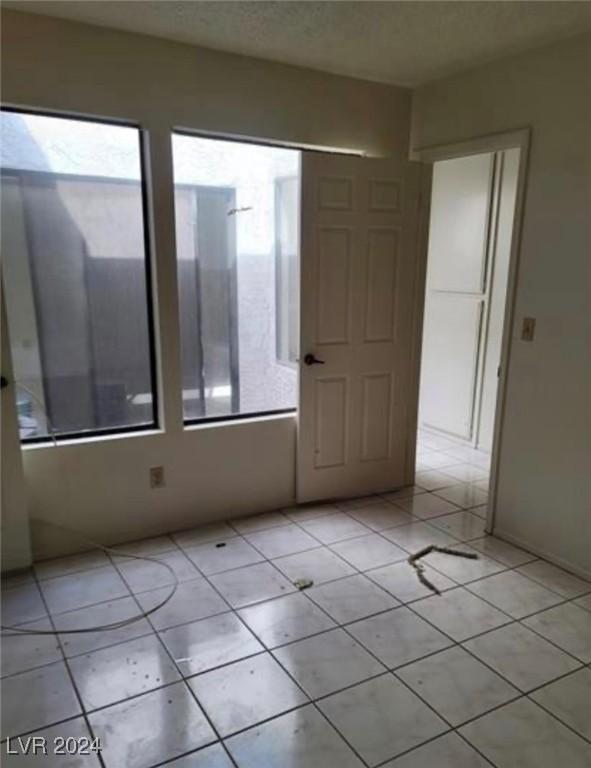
<point>64,65</point>
<point>101,488</point>
<point>544,501</point>
<point>544,491</point>
<point>14,534</point>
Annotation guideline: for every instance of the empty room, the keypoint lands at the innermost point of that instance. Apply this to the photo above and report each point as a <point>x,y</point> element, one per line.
<point>295,384</point>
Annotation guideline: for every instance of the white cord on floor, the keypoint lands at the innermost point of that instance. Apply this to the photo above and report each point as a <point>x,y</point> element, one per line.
<point>10,631</point>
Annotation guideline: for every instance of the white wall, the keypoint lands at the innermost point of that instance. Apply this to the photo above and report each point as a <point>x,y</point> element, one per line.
<point>101,488</point>
<point>58,64</point>
<point>544,494</point>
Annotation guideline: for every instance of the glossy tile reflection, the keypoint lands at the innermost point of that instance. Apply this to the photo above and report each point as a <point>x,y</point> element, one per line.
<point>302,638</point>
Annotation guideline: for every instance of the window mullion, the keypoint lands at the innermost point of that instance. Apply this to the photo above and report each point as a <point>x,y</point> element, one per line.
<point>158,156</point>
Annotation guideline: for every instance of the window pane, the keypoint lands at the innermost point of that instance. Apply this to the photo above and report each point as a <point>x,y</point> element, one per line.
<point>237,225</point>
<point>75,277</point>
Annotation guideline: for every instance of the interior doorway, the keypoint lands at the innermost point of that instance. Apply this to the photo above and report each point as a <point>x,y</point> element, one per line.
<point>470,270</point>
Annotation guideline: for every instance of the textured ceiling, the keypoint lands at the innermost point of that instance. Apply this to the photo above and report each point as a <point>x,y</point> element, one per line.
<point>404,43</point>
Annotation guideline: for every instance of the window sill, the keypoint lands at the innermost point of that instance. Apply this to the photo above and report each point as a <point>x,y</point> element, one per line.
<point>233,422</point>
<point>187,428</point>
<point>70,442</point>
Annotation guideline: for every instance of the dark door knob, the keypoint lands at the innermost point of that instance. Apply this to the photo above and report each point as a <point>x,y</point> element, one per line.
<point>309,359</point>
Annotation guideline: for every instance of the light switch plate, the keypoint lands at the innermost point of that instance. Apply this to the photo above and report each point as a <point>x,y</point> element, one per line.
<point>528,329</point>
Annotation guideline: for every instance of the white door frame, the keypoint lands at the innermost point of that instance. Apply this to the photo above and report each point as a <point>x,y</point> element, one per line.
<point>518,139</point>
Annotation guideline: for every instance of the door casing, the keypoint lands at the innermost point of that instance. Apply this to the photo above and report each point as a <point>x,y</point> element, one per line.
<point>521,140</point>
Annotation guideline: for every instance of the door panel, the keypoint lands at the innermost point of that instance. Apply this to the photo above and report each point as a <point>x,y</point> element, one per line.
<point>358,271</point>
<point>455,292</point>
<point>382,262</point>
<point>460,206</point>
<point>331,422</point>
<point>335,193</point>
<point>450,356</point>
<point>377,406</point>
<point>333,280</point>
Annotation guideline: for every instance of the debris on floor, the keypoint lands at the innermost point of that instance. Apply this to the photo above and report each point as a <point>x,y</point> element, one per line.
<point>303,583</point>
<point>420,569</point>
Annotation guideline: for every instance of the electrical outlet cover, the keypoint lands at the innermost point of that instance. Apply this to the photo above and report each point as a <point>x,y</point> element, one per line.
<point>157,477</point>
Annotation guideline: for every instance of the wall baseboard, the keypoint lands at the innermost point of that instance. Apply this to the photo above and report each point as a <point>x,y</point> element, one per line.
<point>560,562</point>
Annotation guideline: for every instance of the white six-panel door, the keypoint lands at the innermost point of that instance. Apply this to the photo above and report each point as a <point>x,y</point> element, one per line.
<point>359,231</point>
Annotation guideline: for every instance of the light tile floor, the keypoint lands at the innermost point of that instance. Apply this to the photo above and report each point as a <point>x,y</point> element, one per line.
<point>366,668</point>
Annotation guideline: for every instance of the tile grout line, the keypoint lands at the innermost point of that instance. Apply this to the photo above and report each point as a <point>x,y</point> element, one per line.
<point>343,626</point>
<point>267,650</point>
<point>455,644</point>
<point>363,573</point>
<point>386,671</point>
<point>70,675</point>
<point>182,677</point>
<point>285,670</point>
<point>200,576</point>
<point>391,670</point>
<point>523,694</point>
